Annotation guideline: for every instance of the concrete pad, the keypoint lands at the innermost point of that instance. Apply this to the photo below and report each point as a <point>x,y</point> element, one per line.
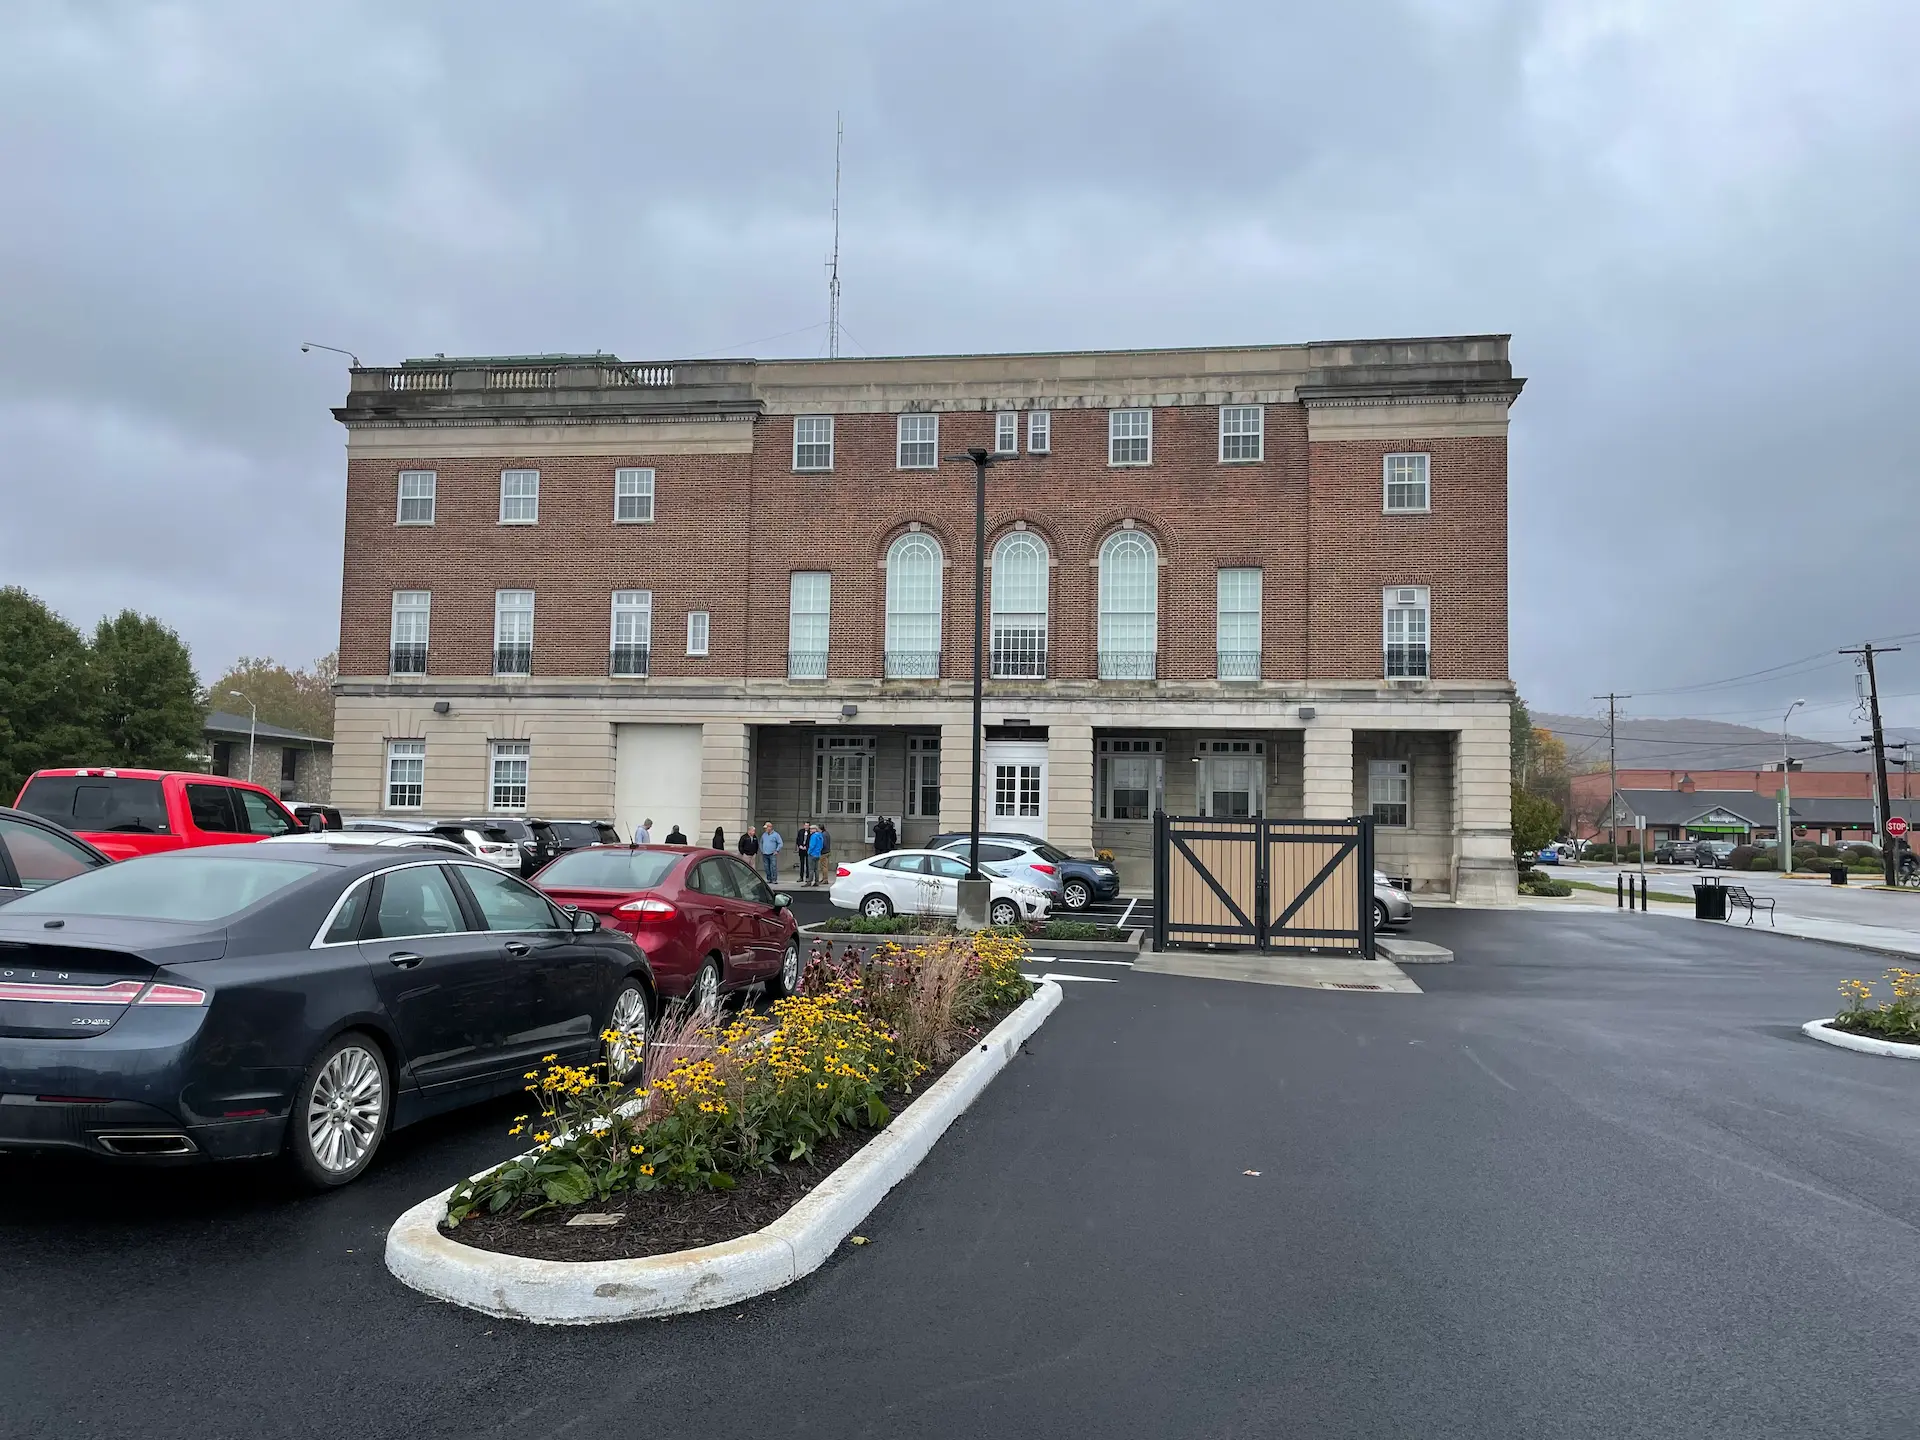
<point>1307,971</point>
<point>1403,951</point>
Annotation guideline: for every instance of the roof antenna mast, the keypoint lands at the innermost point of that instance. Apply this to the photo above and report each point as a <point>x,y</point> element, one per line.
<point>833,265</point>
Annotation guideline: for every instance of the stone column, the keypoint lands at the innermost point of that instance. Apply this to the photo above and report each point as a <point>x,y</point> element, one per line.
<point>1483,867</point>
<point>1070,786</point>
<point>956,774</point>
<point>725,779</point>
<point>1326,773</point>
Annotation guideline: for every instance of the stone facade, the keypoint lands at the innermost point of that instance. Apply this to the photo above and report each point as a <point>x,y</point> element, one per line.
<point>732,519</point>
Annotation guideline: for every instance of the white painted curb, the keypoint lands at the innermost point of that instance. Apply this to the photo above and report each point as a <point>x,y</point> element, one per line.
<point>566,1292</point>
<point>1865,1044</point>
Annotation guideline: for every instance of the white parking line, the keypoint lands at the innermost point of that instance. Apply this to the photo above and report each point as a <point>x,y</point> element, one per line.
<point>1126,912</point>
<point>1083,979</point>
<point>1077,960</point>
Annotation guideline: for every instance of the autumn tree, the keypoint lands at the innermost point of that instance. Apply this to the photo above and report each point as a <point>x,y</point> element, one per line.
<point>146,695</point>
<point>299,700</point>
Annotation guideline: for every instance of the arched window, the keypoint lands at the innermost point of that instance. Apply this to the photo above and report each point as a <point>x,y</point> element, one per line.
<point>913,608</point>
<point>1020,607</point>
<point>1129,607</point>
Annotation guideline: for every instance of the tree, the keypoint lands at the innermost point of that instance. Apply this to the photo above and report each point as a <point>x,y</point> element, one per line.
<point>296,699</point>
<point>1536,820</point>
<point>148,696</point>
<point>47,692</point>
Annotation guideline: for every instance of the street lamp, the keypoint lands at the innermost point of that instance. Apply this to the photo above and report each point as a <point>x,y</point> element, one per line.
<point>306,345</point>
<point>1785,848</point>
<point>975,893</point>
<point>253,725</point>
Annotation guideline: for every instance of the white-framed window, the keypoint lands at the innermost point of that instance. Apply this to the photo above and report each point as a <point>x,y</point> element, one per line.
<point>406,774</point>
<point>508,787</point>
<point>632,632</point>
<point>809,611</point>
<point>1237,624</point>
<point>1390,792</point>
<point>918,437</point>
<point>1404,482</point>
<point>633,497</point>
<point>1129,437</point>
<point>923,776</point>
<point>417,494</point>
<point>699,624</point>
<point>1017,787</point>
<point>1232,779</point>
<point>1019,606</point>
<point>1131,777</point>
<point>1129,606</point>
<point>1405,631</point>
<point>1242,432</point>
<point>412,614</point>
<point>513,632</point>
<point>1039,432</point>
<point>813,442</point>
<point>519,497</point>
<point>1006,433</point>
<point>842,774</point>
<point>914,573</point>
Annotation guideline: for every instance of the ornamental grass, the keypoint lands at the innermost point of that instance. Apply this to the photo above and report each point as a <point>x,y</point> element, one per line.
<point>718,1099</point>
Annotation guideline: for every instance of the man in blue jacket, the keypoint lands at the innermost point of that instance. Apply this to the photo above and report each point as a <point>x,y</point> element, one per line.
<point>770,846</point>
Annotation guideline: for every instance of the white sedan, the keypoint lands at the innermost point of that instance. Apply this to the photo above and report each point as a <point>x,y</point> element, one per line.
<point>927,882</point>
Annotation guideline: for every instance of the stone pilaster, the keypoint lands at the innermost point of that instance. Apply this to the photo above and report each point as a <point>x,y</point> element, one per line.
<point>1070,787</point>
<point>1327,773</point>
<point>1483,815</point>
<point>725,778</point>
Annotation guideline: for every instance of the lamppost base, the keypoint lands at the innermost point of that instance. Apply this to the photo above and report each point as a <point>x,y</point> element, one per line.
<point>975,899</point>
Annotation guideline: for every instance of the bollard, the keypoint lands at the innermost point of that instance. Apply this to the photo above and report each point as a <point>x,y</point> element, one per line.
<point>1643,894</point>
<point>1619,896</point>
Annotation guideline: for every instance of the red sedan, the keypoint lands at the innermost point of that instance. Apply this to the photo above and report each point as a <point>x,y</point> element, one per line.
<point>706,921</point>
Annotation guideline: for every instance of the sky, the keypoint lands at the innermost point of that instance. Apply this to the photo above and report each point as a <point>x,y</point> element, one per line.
<point>1695,217</point>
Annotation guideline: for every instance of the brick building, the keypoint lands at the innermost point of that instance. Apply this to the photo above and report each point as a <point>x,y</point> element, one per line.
<point>1219,580</point>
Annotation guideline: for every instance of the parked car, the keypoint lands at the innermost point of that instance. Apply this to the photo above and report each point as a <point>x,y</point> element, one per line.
<point>927,882</point>
<point>299,998</point>
<point>534,839</point>
<point>1030,862</point>
<point>1710,853</point>
<point>363,839</point>
<point>1546,856</point>
<point>314,817</point>
<point>565,835</point>
<point>1081,881</point>
<point>1391,904</point>
<point>490,842</point>
<point>36,853</point>
<point>707,923</point>
<point>144,812</point>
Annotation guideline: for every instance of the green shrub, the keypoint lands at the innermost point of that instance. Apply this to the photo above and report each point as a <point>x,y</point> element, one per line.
<point>1741,857</point>
<point>891,925</point>
<point>1545,885</point>
<point>1895,1019</point>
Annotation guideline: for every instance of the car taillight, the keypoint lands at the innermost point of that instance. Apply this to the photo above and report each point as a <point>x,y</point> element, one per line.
<point>1043,869</point>
<point>172,995</point>
<point>841,872</point>
<point>650,912</point>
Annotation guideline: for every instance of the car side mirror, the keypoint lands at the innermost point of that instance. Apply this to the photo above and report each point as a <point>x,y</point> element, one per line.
<point>783,901</point>
<point>585,922</point>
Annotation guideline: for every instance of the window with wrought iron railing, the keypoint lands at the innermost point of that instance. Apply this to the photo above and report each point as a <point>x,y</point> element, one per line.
<point>513,659</point>
<point>1129,664</point>
<point>408,658</point>
<point>806,664</point>
<point>629,660</point>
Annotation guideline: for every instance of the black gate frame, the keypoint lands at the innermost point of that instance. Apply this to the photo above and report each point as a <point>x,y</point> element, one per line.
<point>1257,932</point>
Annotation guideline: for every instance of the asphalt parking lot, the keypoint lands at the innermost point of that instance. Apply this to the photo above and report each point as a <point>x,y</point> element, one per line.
<point>1592,1183</point>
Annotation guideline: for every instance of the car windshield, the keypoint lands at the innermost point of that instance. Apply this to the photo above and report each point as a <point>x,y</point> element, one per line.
<point>609,870</point>
<point>186,885</point>
<point>97,803</point>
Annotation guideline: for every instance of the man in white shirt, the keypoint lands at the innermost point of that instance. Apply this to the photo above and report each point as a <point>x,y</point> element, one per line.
<point>644,835</point>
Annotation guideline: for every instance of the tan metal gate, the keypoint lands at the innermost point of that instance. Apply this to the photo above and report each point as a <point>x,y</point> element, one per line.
<point>1264,884</point>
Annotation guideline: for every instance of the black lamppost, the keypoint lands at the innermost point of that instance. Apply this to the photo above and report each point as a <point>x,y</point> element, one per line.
<point>981,458</point>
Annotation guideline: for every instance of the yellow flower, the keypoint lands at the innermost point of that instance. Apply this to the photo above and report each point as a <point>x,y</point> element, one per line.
<point>543,1134</point>
<point>646,1169</point>
<point>637,1149</point>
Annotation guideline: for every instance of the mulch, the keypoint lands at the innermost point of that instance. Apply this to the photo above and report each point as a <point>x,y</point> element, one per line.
<point>663,1221</point>
<point>1866,1034</point>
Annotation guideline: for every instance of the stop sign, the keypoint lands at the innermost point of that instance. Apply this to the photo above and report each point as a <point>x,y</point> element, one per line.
<point>1896,827</point>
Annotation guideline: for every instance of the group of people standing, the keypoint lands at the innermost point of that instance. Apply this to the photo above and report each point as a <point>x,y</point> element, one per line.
<point>814,845</point>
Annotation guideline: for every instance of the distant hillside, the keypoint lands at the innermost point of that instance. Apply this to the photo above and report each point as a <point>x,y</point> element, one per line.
<point>1695,744</point>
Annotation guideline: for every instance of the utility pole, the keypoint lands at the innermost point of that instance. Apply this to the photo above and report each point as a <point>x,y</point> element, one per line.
<point>1882,801</point>
<point>833,265</point>
<point>1784,849</point>
<point>1613,777</point>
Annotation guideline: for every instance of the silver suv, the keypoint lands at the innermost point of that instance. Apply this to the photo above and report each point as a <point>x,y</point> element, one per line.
<point>1025,862</point>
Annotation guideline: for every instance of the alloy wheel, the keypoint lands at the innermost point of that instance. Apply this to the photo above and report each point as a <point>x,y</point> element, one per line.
<point>706,990</point>
<point>1380,916</point>
<point>875,907</point>
<point>629,1026</point>
<point>1078,897</point>
<point>345,1109</point>
<point>1004,912</point>
<point>790,968</point>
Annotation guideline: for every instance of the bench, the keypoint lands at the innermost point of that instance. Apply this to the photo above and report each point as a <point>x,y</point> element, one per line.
<point>1737,895</point>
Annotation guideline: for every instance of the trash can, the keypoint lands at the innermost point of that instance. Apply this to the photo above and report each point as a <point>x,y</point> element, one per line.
<point>1709,901</point>
<point>1837,874</point>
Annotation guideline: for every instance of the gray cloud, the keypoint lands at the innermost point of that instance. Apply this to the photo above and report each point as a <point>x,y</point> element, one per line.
<point>1695,219</point>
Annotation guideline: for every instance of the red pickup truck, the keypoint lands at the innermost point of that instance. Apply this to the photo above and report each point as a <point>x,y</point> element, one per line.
<point>142,812</point>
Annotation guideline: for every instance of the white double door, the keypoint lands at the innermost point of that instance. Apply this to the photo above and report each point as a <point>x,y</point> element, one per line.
<point>1013,783</point>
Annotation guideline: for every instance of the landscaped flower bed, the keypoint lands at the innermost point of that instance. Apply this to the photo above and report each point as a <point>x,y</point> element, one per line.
<point>1897,1019</point>
<point>733,1121</point>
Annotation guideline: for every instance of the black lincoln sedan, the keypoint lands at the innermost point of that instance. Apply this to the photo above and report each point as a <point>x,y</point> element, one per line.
<point>298,999</point>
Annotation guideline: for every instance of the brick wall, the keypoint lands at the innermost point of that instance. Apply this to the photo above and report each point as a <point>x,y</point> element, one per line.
<point>729,525</point>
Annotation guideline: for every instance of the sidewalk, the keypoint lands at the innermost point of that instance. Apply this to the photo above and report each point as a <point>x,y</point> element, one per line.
<point>1880,939</point>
